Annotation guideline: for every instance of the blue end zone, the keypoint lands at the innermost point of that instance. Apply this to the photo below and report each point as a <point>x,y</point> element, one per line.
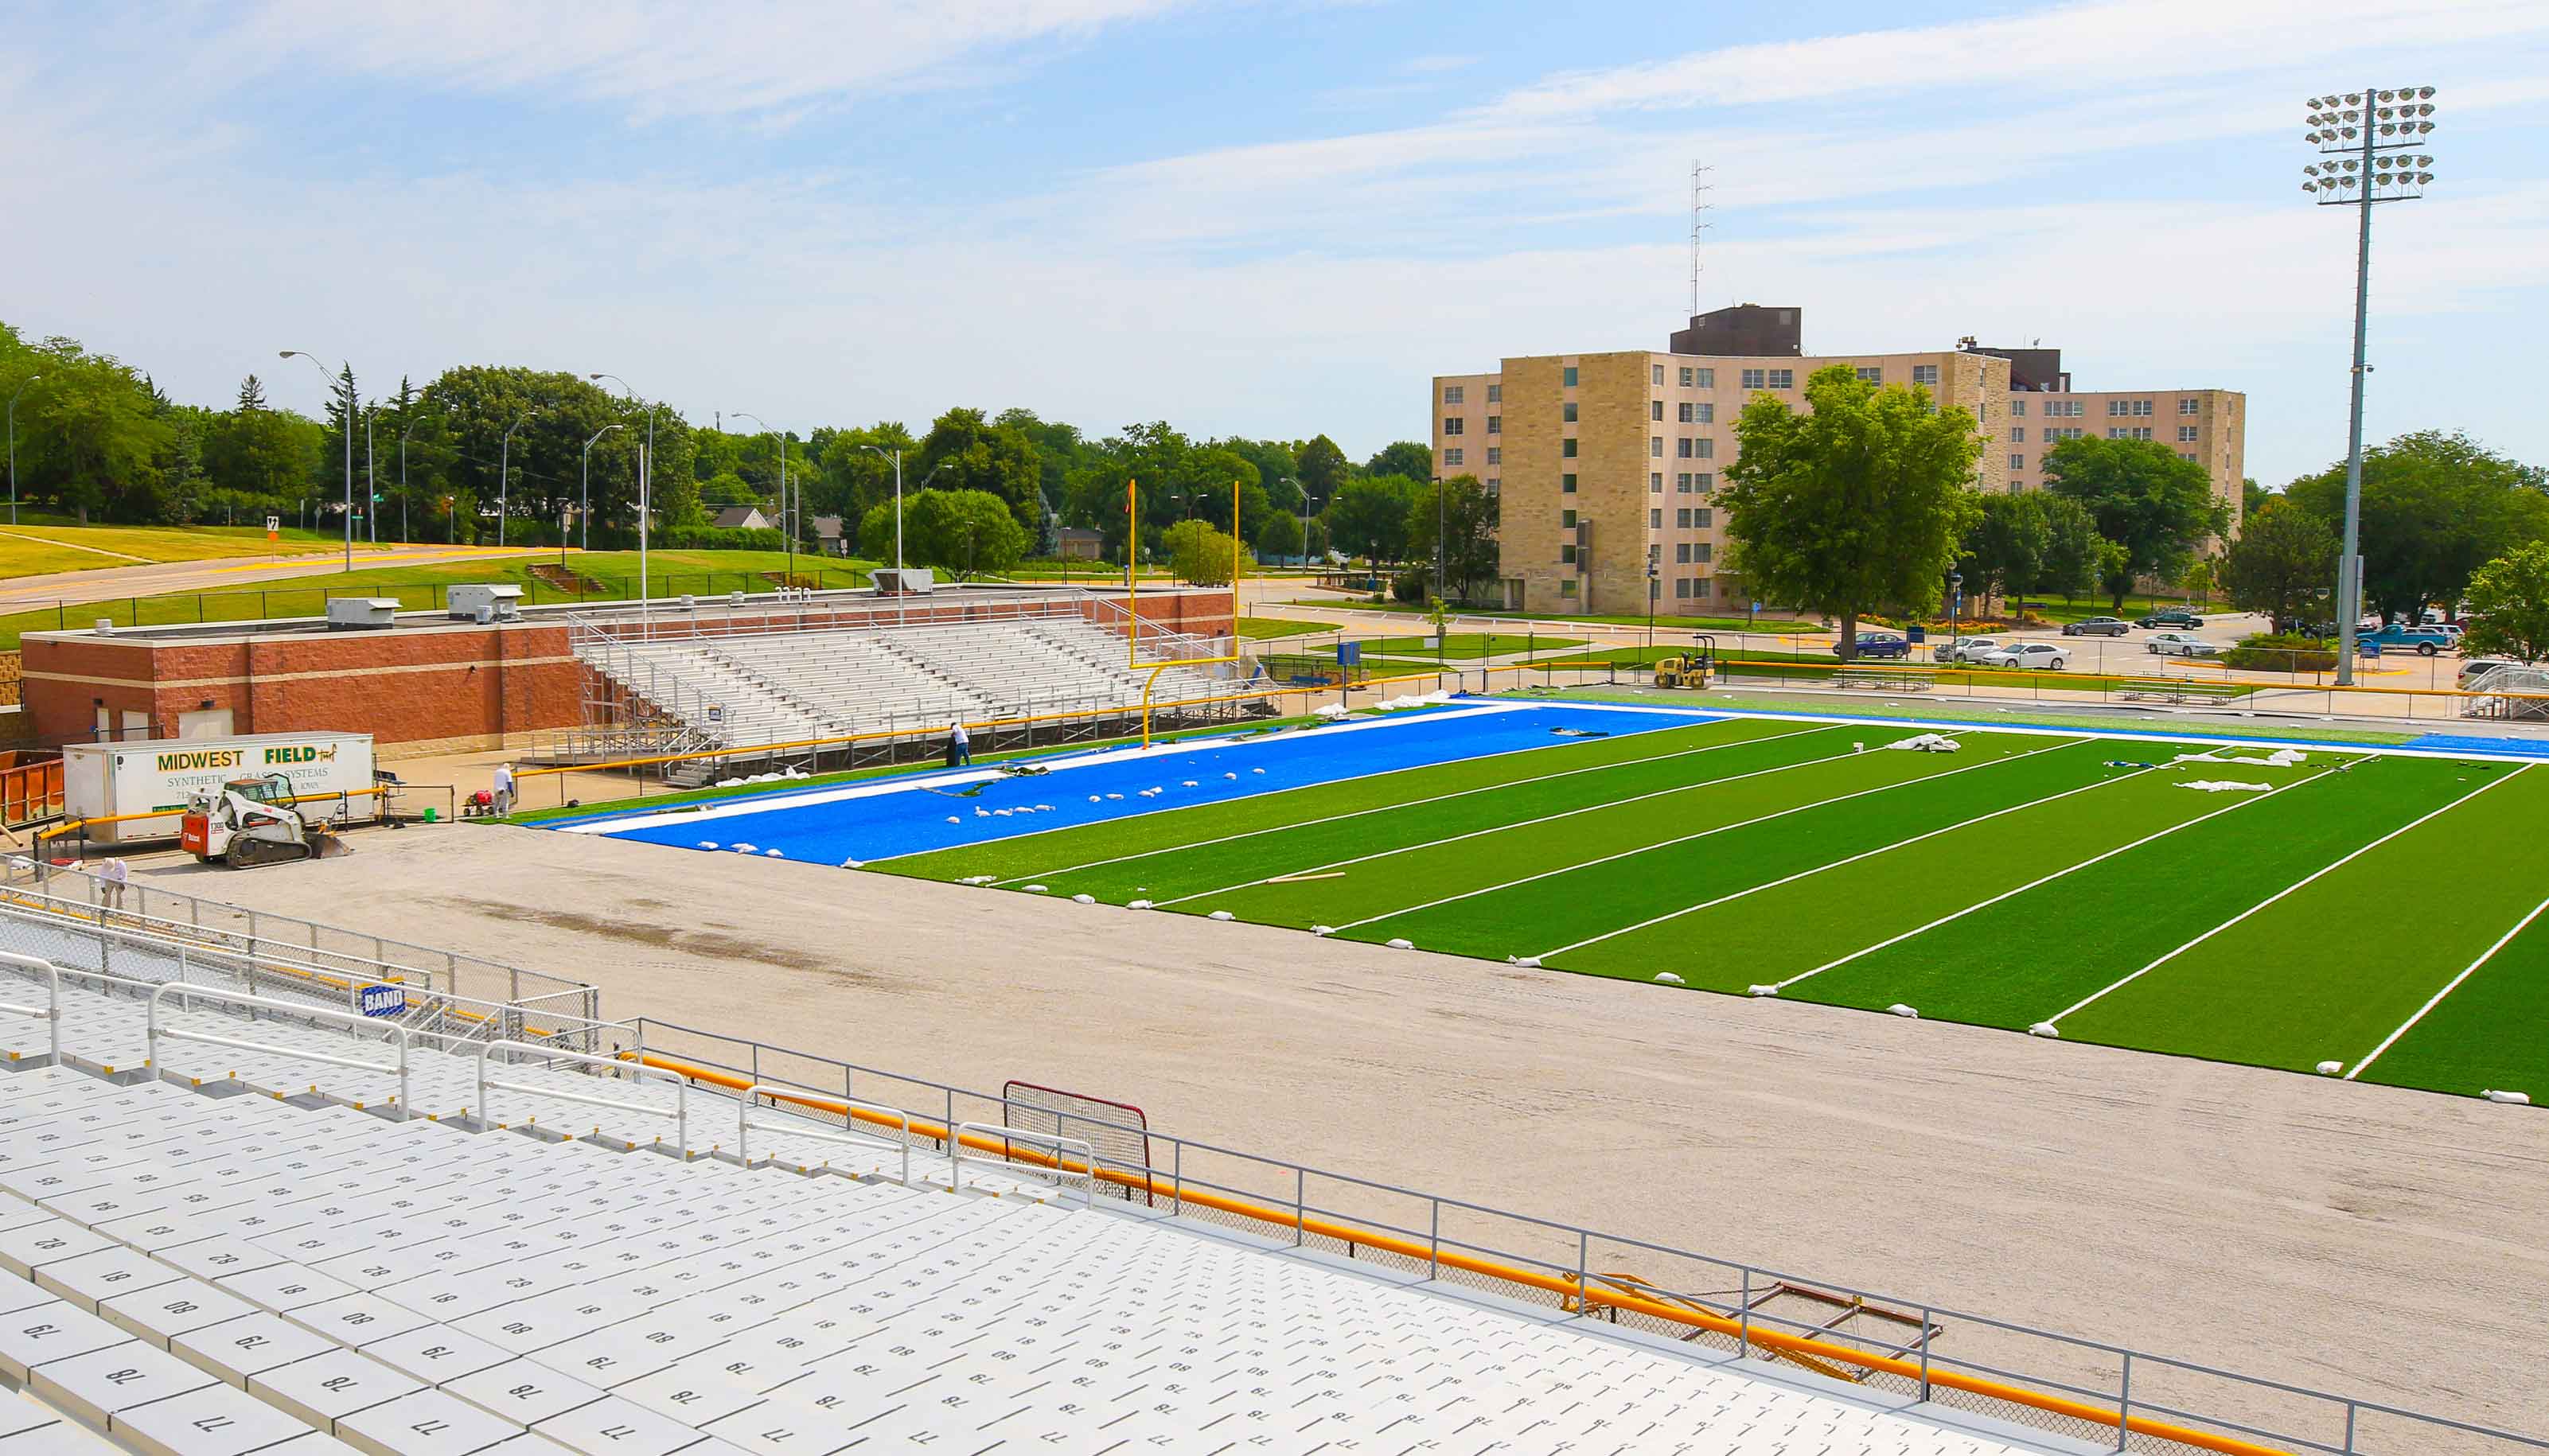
<point>2457,743</point>
<point>937,809</point>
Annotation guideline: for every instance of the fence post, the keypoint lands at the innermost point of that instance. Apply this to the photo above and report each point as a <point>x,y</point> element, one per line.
<point>1744,1320</point>
<point>1300,1206</point>
<point>1583,1262</point>
<point>1434,1241</point>
<point>1178,1178</point>
<point>1925,1353</point>
<point>2125,1405</point>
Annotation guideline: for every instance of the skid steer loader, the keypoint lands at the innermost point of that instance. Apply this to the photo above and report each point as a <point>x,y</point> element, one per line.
<point>249,822</point>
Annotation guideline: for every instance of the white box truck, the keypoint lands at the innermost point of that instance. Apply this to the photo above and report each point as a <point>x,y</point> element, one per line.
<point>102,780</point>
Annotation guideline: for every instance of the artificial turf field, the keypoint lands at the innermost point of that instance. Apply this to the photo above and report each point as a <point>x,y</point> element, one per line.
<point>2379,909</point>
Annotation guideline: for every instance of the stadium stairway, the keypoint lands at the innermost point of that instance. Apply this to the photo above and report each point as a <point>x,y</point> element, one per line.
<point>189,1268</point>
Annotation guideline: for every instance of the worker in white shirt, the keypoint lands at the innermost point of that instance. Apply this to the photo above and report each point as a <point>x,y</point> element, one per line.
<point>111,879</point>
<point>960,749</point>
<point>504,789</point>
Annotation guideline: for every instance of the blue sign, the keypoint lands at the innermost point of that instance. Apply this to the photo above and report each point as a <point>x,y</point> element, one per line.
<point>1348,654</point>
<point>383,1000</point>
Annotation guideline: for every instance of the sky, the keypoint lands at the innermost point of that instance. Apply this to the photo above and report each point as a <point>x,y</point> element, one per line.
<point>1267,218</point>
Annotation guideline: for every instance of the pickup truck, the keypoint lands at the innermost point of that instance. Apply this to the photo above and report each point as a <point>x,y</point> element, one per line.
<point>2398,637</point>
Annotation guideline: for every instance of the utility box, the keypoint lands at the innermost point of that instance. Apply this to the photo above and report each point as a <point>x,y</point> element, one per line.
<point>912,579</point>
<point>349,613</point>
<point>501,600</point>
<point>102,780</point>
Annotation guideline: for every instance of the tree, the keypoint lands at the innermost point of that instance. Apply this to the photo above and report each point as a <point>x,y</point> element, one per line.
<point>2072,547</point>
<point>1198,553</point>
<point>2282,565</point>
<point>2004,551</point>
<point>1368,516</point>
<point>1324,471</point>
<point>964,533</point>
<point>1853,508</point>
<point>2436,507</point>
<point>2252,498</point>
<point>1314,539</point>
<point>1470,519</point>
<point>257,451</point>
<point>1278,535</point>
<point>2508,603</point>
<point>968,452</point>
<point>94,437</point>
<point>1402,457</point>
<point>847,479</point>
<point>2146,497</point>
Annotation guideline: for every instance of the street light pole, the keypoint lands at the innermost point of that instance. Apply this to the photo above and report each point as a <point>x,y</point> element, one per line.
<point>412,424</point>
<point>646,460</point>
<point>504,470</point>
<point>349,444</point>
<point>13,444</point>
<point>790,540</point>
<point>2368,136</point>
<point>584,498</point>
<point>896,458</point>
<point>372,482</point>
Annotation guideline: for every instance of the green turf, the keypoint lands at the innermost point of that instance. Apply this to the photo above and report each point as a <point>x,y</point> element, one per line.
<point>2029,957</point>
<point>2463,1045</point>
<point>1821,814</point>
<point>2341,962</point>
<point>1458,646</point>
<point>1980,712</point>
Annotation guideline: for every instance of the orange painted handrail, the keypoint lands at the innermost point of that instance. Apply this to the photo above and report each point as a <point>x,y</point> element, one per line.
<point>1567,1288</point>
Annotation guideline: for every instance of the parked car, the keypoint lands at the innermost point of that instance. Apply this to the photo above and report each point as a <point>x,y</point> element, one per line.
<point>1965,649</point>
<point>2181,644</point>
<point>1883,645</point>
<point>2096,628</point>
<point>2043,656</point>
<point>2423,641</point>
<point>2170,616</point>
<point>2452,630</point>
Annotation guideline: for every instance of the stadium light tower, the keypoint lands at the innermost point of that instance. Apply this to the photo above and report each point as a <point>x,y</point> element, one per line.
<point>2374,143</point>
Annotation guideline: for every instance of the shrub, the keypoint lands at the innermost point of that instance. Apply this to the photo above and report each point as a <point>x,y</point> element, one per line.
<point>1409,587</point>
<point>2268,652</point>
<point>709,538</point>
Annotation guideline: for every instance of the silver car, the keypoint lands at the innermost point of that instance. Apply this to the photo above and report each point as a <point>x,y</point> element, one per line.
<point>2181,644</point>
<point>2043,656</point>
<point>1965,649</point>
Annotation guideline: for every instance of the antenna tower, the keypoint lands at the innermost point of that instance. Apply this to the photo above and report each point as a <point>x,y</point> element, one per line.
<point>1698,225</point>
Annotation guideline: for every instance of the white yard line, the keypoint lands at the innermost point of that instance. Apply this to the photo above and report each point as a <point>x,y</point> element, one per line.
<point>2244,802</point>
<point>2315,875</point>
<point>2466,972</point>
<point>1851,859</point>
<point>1705,833</point>
<point>1412,803</point>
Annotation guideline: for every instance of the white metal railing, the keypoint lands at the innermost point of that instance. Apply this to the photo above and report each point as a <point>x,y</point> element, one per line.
<point>848,1107</point>
<point>155,1032</point>
<point>1057,1174</point>
<point>50,1013</point>
<point>681,1086</point>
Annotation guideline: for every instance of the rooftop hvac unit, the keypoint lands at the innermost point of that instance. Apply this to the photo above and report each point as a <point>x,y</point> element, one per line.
<point>351,613</point>
<point>486,601</point>
<point>689,601</point>
<point>106,626</point>
<point>734,598</point>
<point>915,579</point>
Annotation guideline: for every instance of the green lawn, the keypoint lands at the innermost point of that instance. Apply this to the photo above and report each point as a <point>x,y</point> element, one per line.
<point>32,549</point>
<point>1819,667</point>
<point>1662,623</point>
<point>423,587</point>
<point>2032,878</point>
<point>1458,646</point>
<point>1263,629</point>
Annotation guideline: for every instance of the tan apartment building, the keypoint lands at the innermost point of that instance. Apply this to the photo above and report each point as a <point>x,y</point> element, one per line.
<point>1606,466</point>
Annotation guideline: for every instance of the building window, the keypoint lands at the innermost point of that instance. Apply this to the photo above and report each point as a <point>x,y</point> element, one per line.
<point>1656,483</point>
<point>2017,408</point>
<point>1707,449</point>
<point>2115,432</point>
<point>1926,374</point>
<point>2141,431</point>
<point>1660,376</point>
<point>1701,587</point>
<point>2189,404</point>
<point>1452,424</point>
<point>1682,447</point>
<point>1655,447</point>
<point>1656,518</point>
<point>1701,552</point>
<point>1495,454</point>
<point>1702,518</point>
<point>2186,434</point>
<point>1871,374</point>
<point>1783,379</point>
<point>1754,379</point>
<point>1451,394</point>
<point>1687,376</point>
<point>1566,520</point>
<point>1566,485</point>
<point>1703,481</point>
<point>1493,484</point>
<point>1687,408</point>
<point>2017,462</point>
<point>1708,379</point>
<point>1452,457</point>
<point>2142,406</point>
<point>1681,519</point>
<point>1567,587</point>
<point>2018,434</point>
<point>1495,393</point>
<point>1566,376</point>
<point>1566,554</point>
<point>1655,409</point>
<point>1707,414</point>
<point>1566,447</point>
<point>1681,483</point>
<point>1495,424</point>
<point>1681,589</point>
<point>1567,412</point>
<point>1682,553</point>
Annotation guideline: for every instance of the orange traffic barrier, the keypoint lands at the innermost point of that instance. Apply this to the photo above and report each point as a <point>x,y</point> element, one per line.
<point>1567,1288</point>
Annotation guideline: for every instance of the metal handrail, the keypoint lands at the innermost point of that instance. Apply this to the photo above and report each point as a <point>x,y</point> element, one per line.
<point>1086,1172</point>
<point>681,1086</point>
<point>397,1036</point>
<point>743,1122</point>
<point>50,1013</point>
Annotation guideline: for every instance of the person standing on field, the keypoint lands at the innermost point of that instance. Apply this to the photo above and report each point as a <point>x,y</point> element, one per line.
<point>960,749</point>
<point>503,789</point>
<point>111,879</point>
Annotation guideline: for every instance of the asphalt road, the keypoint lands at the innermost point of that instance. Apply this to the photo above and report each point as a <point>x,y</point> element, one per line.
<point>106,584</point>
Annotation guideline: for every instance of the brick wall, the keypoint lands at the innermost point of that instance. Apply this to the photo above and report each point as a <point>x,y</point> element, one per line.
<point>8,679</point>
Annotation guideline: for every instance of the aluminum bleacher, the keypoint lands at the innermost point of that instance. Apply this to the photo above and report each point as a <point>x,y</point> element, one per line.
<point>252,1246</point>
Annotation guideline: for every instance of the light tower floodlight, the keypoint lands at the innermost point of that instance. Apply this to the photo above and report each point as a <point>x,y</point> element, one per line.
<point>2366,138</point>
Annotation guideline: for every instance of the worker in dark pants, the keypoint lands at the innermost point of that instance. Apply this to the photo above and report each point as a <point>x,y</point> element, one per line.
<point>960,749</point>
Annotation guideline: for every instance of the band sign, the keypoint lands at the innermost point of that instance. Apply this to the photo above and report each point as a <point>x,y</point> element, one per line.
<point>383,1000</point>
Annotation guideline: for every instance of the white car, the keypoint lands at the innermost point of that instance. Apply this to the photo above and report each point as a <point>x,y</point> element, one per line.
<point>2043,656</point>
<point>2181,644</point>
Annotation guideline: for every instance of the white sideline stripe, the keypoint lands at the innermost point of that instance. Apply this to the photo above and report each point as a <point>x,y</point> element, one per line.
<point>1705,833</point>
<point>2330,868</point>
<point>759,803</point>
<point>1862,855</point>
<point>2233,808</point>
<point>1527,823</point>
<point>2466,972</point>
<point>1435,799</point>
